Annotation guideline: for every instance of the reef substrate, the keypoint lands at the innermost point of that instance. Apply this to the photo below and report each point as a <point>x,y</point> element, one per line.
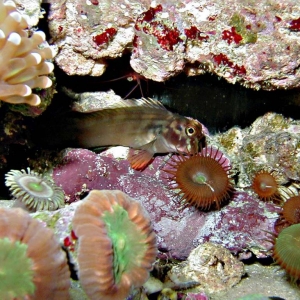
<point>233,39</point>
<point>238,226</point>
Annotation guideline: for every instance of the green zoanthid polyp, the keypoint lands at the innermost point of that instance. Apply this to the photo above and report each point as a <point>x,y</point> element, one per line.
<point>36,186</point>
<point>36,191</point>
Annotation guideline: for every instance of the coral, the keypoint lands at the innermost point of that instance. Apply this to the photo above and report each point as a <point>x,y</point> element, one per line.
<point>23,58</point>
<point>286,250</point>
<point>265,186</point>
<point>12,252</point>
<point>36,191</point>
<point>202,178</point>
<point>27,248</point>
<point>116,244</point>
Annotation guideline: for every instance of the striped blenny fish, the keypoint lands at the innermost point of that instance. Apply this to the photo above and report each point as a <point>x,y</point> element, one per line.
<point>141,124</point>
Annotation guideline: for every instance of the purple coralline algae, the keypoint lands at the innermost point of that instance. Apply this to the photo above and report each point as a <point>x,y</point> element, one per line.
<point>236,40</point>
<point>196,296</point>
<point>239,226</point>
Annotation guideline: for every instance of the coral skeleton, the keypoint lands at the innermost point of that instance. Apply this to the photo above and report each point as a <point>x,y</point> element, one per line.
<point>117,246</point>
<point>23,56</point>
<point>34,190</point>
<point>33,265</point>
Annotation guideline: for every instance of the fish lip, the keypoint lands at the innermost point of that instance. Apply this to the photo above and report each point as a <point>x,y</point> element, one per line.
<point>193,147</point>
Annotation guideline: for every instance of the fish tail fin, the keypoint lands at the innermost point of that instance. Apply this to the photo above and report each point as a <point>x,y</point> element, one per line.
<point>139,159</point>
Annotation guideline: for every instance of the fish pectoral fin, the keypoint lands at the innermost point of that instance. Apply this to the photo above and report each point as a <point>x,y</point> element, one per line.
<point>139,159</point>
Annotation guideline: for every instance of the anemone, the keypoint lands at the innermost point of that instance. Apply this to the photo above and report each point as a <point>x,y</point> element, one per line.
<point>202,178</point>
<point>286,250</point>
<point>22,58</point>
<point>265,185</point>
<point>116,244</point>
<point>291,210</point>
<point>33,266</point>
<point>34,190</point>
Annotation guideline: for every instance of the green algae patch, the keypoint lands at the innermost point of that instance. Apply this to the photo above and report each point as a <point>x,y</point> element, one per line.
<point>248,35</point>
<point>48,218</point>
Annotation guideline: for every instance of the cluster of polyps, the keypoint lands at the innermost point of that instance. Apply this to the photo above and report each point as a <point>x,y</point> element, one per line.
<point>23,64</point>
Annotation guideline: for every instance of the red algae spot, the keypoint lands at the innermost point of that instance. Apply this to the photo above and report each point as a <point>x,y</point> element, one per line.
<point>278,19</point>
<point>212,18</point>
<point>134,44</point>
<point>78,30</point>
<point>295,25</point>
<point>231,36</point>
<point>222,59</point>
<point>166,36</point>
<point>95,2</point>
<point>67,241</point>
<point>149,15</point>
<point>73,235</point>
<point>70,241</point>
<point>60,28</point>
<point>195,34</point>
<point>104,37</point>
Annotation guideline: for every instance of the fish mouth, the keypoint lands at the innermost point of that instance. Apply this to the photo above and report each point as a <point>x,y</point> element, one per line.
<point>192,147</point>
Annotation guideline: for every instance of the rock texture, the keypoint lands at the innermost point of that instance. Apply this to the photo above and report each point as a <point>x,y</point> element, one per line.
<point>236,40</point>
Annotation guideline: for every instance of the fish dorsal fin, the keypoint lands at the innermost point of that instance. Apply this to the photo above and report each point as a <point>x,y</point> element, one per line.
<point>143,102</point>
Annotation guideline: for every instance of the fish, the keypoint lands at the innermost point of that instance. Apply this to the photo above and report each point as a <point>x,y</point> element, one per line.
<point>144,125</point>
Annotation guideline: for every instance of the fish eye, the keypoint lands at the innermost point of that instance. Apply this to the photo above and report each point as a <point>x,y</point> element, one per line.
<point>190,131</point>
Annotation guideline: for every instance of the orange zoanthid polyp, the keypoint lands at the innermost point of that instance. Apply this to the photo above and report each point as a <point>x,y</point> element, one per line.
<point>264,184</point>
<point>202,178</point>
